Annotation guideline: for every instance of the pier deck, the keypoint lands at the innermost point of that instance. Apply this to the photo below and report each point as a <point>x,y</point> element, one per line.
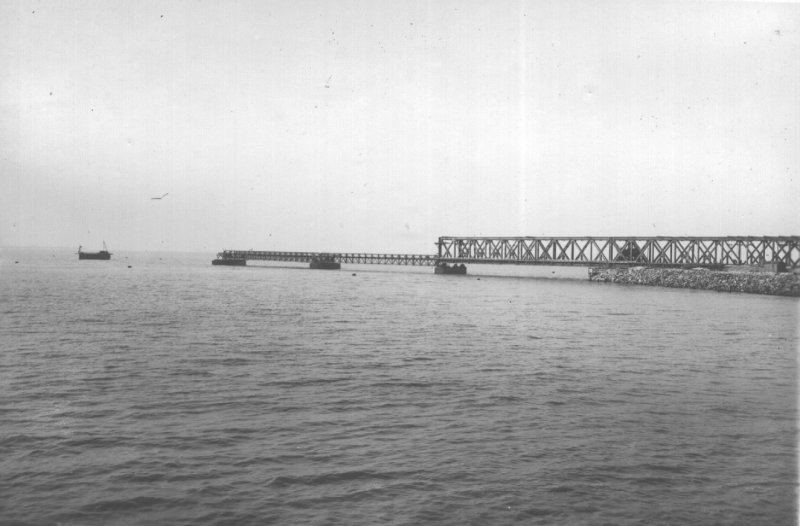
<point>426,260</point>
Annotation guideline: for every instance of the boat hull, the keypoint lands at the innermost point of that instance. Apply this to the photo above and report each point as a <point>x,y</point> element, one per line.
<point>102,255</point>
<point>229,261</point>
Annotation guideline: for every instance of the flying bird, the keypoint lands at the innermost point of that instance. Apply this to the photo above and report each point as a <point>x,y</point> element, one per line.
<point>162,197</point>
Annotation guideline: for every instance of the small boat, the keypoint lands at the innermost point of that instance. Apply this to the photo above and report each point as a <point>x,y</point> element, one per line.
<point>325,262</point>
<point>444,268</point>
<point>103,254</point>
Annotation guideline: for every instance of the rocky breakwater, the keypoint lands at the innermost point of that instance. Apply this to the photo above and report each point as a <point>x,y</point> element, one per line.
<point>740,280</point>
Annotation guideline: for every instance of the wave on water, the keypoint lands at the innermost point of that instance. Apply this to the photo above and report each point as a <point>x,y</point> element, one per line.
<point>183,393</point>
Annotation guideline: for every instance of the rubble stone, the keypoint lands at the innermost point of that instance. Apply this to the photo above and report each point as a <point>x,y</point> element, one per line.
<point>783,284</point>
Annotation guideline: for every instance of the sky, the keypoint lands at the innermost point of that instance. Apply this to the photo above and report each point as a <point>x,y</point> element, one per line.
<point>378,126</point>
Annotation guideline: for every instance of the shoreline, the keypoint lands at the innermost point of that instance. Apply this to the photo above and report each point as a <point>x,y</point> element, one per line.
<point>748,282</point>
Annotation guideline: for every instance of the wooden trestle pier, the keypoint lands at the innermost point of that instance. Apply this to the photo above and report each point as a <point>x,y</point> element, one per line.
<point>340,257</point>
<point>678,252</point>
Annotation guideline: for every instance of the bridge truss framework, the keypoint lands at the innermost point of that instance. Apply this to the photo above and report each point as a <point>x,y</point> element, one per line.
<point>621,251</point>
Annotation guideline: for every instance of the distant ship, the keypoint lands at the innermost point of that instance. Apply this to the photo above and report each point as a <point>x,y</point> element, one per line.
<point>103,254</point>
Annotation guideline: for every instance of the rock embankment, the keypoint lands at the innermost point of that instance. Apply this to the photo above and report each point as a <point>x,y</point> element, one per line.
<point>783,284</point>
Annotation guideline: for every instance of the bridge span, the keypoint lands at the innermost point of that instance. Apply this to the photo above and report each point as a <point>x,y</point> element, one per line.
<point>710,252</point>
<point>622,251</point>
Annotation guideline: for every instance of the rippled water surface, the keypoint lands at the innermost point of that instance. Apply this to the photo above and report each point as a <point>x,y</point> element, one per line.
<point>174,392</point>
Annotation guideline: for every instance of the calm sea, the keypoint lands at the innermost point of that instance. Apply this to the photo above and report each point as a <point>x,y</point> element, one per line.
<point>173,392</point>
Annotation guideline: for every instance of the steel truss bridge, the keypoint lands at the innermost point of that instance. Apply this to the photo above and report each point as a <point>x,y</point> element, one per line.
<point>622,251</point>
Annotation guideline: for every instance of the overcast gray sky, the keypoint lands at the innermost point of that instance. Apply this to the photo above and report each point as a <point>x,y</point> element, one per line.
<point>378,126</point>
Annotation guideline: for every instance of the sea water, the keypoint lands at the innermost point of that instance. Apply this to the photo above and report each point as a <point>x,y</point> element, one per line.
<point>158,389</point>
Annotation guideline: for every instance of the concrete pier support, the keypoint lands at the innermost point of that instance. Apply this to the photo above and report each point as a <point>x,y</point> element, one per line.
<point>455,269</point>
<point>229,261</point>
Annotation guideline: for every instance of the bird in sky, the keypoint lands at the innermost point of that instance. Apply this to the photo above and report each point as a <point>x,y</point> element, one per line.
<point>162,197</point>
